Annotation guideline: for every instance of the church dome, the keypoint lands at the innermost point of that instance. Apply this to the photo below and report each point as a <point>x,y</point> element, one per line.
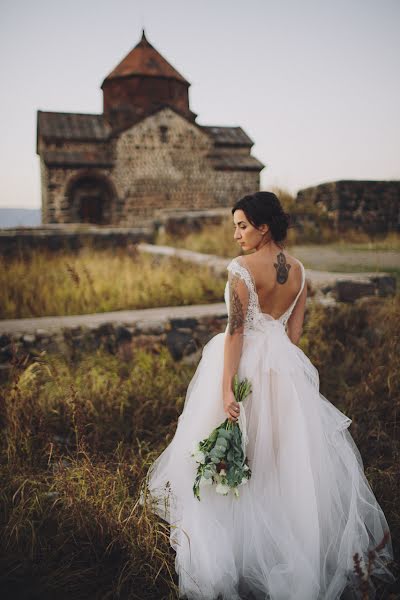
<point>140,84</point>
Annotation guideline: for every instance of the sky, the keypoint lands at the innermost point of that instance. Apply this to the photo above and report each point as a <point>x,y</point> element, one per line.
<point>314,83</point>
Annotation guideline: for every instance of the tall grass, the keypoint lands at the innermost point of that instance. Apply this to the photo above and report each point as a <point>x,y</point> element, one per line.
<point>76,441</point>
<point>218,239</point>
<point>99,281</point>
<point>77,437</point>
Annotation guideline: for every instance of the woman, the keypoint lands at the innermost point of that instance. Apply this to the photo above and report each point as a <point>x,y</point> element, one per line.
<point>307,508</point>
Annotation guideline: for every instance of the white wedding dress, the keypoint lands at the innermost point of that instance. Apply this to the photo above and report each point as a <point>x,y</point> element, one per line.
<point>307,508</point>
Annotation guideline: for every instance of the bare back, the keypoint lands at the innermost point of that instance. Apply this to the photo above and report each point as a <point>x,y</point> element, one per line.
<point>277,279</point>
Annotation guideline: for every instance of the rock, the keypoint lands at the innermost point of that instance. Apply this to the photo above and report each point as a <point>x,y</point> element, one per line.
<point>4,340</point>
<point>349,291</point>
<point>202,337</point>
<point>180,344</point>
<point>189,322</point>
<point>122,334</point>
<point>187,330</point>
<point>150,327</point>
<point>40,333</point>
<point>193,358</point>
<point>28,338</point>
<point>75,331</point>
<point>105,329</point>
<point>325,289</point>
<point>385,284</point>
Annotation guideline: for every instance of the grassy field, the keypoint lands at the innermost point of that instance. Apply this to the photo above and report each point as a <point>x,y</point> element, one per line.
<point>100,281</point>
<point>76,439</point>
<point>218,239</point>
<point>353,252</point>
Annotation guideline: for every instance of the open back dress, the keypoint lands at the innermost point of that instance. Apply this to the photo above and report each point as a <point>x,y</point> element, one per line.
<point>307,508</point>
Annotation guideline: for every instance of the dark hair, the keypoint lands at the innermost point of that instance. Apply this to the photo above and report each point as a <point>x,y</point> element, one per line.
<point>265,207</point>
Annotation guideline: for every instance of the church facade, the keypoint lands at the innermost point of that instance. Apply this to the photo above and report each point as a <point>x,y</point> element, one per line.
<point>144,155</point>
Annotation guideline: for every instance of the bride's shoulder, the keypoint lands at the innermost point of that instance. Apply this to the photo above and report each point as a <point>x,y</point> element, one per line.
<point>280,257</point>
<point>292,260</point>
<point>234,262</point>
<point>235,266</point>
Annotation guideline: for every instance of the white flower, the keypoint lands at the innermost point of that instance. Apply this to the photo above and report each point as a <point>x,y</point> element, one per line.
<point>244,480</point>
<point>222,489</point>
<point>222,472</point>
<point>236,492</point>
<point>245,468</point>
<point>204,481</point>
<point>199,457</point>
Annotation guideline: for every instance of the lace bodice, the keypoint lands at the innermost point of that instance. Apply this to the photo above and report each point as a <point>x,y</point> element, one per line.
<point>255,318</point>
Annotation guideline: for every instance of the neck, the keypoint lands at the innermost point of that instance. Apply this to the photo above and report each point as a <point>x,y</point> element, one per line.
<point>267,244</point>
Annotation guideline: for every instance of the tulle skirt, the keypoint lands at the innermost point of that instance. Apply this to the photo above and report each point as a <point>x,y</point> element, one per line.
<point>307,508</point>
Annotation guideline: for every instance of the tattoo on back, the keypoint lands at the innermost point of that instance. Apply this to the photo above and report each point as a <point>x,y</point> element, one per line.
<point>282,268</point>
<point>236,317</point>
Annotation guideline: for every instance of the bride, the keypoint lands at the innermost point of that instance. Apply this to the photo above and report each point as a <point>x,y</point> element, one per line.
<point>308,507</point>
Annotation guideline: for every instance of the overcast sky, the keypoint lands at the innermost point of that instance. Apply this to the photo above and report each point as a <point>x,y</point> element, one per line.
<point>315,83</point>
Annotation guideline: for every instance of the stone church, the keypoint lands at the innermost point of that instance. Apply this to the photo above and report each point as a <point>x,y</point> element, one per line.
<point>144,155</point>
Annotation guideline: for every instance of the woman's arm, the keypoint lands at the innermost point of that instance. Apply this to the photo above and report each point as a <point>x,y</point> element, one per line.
<point>238,301</point>
<point>295,322</point>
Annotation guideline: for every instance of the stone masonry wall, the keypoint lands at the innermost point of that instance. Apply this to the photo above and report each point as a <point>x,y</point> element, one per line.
<point>160,163</point>
<point>230,186</point>
<point>184,338</point>
<point>24,241</point>
<point>153,174</point>
<point>56,180</point>
<point>372,206</point>
<point>58,208</point>
<point>44,181</point>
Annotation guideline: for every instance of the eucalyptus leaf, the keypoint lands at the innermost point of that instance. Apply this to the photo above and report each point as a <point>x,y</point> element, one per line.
<point>225,433</point>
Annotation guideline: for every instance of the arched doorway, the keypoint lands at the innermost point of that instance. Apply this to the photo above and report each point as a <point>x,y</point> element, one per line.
<point>90,200</point>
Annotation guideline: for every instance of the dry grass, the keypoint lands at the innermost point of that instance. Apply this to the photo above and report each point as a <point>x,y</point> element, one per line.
<point>213,239</point>
<point>218,239</point>
<point>100,281</point>
<point>76,439</point>
<point>356,349</point>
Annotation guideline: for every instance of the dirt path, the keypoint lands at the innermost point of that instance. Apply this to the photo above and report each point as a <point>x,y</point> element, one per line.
<point>311,256</point>
<point>328,258</point>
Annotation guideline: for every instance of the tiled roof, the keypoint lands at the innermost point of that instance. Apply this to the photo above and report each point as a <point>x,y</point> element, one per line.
<point>77,159</point>
<point>144,60</point>
<point>236,162</point>
<point>228,136</point>
<point>72,126</point>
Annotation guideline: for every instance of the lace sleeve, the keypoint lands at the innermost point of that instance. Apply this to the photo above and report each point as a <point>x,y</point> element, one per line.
<point>238,299</point>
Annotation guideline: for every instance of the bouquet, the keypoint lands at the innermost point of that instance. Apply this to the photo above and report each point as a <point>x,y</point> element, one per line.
<point>221,457</point>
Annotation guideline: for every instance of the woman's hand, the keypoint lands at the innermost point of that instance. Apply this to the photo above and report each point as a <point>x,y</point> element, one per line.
<point>231,407</point>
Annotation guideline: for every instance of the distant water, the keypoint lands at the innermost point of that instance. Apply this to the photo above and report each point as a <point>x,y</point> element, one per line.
<point>19,217</point>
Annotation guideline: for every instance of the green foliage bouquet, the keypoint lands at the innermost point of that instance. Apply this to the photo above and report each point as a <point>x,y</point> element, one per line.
<point>221,456</point>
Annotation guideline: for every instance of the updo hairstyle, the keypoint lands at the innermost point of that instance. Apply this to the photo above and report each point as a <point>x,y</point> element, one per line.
<point>265,207</point>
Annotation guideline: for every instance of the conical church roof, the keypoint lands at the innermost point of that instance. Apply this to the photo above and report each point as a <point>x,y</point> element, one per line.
<point>144,60</point>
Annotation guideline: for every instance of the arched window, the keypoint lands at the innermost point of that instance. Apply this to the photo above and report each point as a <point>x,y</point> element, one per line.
<point>164,134</point>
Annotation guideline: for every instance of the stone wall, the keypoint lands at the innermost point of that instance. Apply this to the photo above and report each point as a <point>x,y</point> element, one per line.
<point>371,206</point>
<point>22,241</point>
<point>231,186</point>
<point>56,180</point>
<point>161,163</point>
<point>184,338</point>
<point>156,171</point>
